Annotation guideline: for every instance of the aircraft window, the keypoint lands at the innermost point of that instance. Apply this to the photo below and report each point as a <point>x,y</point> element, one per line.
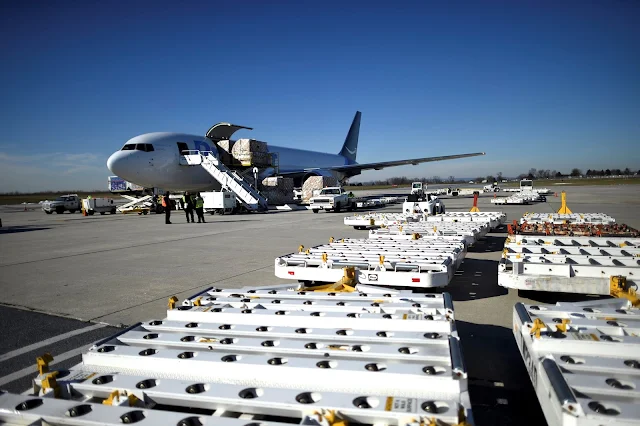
<point>149,147</point>
<point>129,147</point>
<point>141,147</point>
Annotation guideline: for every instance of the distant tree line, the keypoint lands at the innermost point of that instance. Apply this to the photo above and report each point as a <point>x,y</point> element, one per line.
<point>552,174</point>
<point>499,177</point>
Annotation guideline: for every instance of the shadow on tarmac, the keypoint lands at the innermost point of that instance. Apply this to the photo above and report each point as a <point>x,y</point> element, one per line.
<point>553,297</point>
<point>475,279</point>
<point>490,243</point>
<point>500,390</point>
<point>18,229</point>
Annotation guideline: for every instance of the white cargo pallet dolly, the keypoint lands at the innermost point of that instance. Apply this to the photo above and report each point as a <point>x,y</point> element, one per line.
<point>493,219</point>
<point>456,250</point>
<point>597,242</point>
<point>558,218</point>
<point>211,364</point>
<point>567,273</point>
<point>410,233</point>
<point>375,220</point>
<point>410,270</point>
<point>583,360</point>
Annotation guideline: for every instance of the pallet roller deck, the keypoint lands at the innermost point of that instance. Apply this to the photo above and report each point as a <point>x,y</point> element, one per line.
<point>202,365</point>
<point>377,220</point>
<point>468,234</point>
<point>327,263</point>
<point>558,218</point>
<point>567,273</point>
<point>583,360</point>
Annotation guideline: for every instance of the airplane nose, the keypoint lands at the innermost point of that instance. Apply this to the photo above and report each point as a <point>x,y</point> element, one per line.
<point>116,163</point>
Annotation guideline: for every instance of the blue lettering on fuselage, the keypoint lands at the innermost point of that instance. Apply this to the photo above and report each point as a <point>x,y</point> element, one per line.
<point>201,146</point>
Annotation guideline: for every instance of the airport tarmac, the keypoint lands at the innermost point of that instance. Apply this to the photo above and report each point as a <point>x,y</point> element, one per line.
<point>69,280</point>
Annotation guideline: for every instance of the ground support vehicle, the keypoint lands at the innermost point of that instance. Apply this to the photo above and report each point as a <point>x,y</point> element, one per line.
<point>558,218</point>
<point>98,205</point>
<point>220,202</point>
<point>583,360</point>
<point>69,202</point>
<point>431,207</point>
<point>491,188</point>
<point>421,267</point>
<point>419,189</point>
<point>275,357</point>
<point>333,198</point>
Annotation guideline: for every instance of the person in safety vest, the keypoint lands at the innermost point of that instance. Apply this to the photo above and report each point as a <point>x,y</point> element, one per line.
<point>166,203</point>
<point>200,208</point>
<point>187,203</point>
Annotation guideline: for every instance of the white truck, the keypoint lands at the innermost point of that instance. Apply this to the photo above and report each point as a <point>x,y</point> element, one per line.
<point>526,185</point>
<point>491,188</point>
<point>70,202</point>
<point>99,205</point>
<point>332,198</point>
<point>418,188</point>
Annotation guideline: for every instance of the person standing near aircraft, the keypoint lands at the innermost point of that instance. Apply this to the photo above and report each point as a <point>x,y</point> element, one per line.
<point>200,208</point>
<point>187,205</point>
<point>166,203</point>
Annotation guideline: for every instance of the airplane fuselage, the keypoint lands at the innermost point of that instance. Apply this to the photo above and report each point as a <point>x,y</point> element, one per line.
<point>161,168</point>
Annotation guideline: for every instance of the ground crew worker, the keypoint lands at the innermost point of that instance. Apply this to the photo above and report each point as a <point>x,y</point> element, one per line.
<point>187,205</point>
<point>351,195</point>
<point>166,203</point>
<point>200,208</point>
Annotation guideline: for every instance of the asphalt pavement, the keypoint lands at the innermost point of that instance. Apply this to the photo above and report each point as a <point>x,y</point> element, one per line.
<point>68,281</point>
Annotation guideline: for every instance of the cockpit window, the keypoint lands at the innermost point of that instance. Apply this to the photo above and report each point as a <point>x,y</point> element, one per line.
<point>146,147</point>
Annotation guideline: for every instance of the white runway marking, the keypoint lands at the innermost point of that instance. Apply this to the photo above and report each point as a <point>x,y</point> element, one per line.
<point>49,341</point>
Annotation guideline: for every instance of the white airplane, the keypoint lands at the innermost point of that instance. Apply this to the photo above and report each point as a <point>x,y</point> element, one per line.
<point>152,160</point>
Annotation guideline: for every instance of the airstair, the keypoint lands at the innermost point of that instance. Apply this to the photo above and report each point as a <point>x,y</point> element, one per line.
<point>229,179</point>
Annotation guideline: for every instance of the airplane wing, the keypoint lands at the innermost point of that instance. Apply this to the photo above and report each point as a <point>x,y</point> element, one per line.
<point>381,165</point>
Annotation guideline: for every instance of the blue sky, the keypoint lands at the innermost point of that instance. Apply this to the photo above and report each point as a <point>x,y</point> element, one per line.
<point>551,85</point>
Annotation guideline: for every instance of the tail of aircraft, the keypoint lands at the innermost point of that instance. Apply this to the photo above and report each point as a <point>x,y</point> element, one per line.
<point>350,147</point>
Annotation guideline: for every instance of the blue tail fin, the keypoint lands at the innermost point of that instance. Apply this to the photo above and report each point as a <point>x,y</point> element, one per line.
<point>350,147</point>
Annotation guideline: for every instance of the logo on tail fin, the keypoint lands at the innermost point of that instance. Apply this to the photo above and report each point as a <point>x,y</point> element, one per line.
<point>350,146</point>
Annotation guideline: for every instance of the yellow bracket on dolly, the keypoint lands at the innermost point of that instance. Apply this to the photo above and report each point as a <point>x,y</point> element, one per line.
<point>618,288</point>
<point>347,283</point>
